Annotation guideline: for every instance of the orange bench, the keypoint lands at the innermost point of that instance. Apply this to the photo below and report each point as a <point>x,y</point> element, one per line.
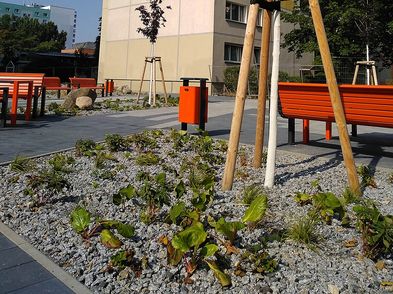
<point>54,83</point>
<point>90,83</point>
<point>363,105</point>
<point>26,86</point>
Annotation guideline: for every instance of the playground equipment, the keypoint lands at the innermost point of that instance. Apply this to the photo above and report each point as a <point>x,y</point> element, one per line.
<point>242,89</point>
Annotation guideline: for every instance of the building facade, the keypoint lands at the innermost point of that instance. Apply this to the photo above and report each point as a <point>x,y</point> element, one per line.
<point>200,39</point>
<point>63,18</point>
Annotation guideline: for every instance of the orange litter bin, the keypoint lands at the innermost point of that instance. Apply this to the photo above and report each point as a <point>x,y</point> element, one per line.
<point>193,103</point>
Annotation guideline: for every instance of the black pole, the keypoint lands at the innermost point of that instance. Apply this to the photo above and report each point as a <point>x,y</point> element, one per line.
<point>186,83</point>
<point>202,105</point>
<point>4,106</point>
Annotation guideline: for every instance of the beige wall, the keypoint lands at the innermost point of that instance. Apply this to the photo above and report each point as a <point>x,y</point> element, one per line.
<point>185,44</point>
<point>191,43</point>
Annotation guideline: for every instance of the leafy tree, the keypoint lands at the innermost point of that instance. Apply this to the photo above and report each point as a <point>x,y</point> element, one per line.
<point>152,20</point>
<point>23,34</point>
<point>350,25</point>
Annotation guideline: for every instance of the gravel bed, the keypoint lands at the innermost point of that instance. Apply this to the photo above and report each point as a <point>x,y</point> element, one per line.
<point>328,268</point>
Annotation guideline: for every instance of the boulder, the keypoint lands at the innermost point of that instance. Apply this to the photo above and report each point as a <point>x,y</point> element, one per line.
<point>84,102</point>
<point>70,101</point>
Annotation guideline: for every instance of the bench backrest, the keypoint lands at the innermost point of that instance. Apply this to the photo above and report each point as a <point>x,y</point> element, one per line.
<point>83,82</point>
<point>37,79</point>
<point>52,82</point>
<point>363,104</point>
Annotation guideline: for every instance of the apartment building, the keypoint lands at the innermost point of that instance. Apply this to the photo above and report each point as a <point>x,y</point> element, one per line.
<point>63,18</point>
<point>200,39</point>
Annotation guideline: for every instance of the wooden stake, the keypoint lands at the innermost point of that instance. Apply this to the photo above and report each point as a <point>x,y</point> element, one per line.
<point>143,76</point>
<point>335,96</point>
<point>263,76</point>
<point>163,80</point>
<point>241,93</point>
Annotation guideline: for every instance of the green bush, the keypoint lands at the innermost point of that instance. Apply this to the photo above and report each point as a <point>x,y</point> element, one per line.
<point>231,76</point>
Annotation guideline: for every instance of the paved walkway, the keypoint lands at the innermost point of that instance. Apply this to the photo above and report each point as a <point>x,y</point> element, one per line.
<point>23,269</point>
<point>23,272</point>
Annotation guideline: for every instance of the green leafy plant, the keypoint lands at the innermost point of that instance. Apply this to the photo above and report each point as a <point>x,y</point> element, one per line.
<point>84,147</point>
<point>101,158</point>
<point>326,204</point>
<point>180,189</point>
<point>260,261</point>
<point>115,142</point>
<point>22,164</point>
<point>126,259</point>
<point>80,219</point>
<point>366,174</point>
<point>256,210</point>
<point>105,174</point>
<point>60,163</point>
<point>222,277</point>
<point>49,179</point>
<point>376,229</point>
<point>201,181</point>
<point>251,192</point>
<point>81,222</point>
<point>143,176</point>
<point>303,231</point>
<point>143,141</point>
<point>124,194</point>
<point>329,205</point>
<point>148,158</point>
<point>228,229</point>
<point>179,139</point>
<point>177,211</point>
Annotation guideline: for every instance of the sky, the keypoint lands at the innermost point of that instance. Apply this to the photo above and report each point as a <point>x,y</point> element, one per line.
<point>88,12</point>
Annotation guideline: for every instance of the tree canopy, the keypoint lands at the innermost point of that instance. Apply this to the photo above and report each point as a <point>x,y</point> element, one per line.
<point>23,34</point>
<point>349,24</point>
<point>152,20</point>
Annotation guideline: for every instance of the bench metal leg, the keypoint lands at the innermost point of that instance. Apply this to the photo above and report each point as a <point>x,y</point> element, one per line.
<point>35,102</point>
<point>328,130</point>
<point>183,126</point>
<point>4,107</point>
<point>58,94</point>
<point>291,131</point>
<point>306,131</point>
<point>354,130</point>
<point>43,98</point>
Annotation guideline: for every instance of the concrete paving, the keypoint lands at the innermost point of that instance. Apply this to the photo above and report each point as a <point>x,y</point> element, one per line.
<point>23,269</point>
<point>31,272</point>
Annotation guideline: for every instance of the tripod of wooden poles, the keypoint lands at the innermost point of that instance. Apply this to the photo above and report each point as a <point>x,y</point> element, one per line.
<point>233,145</point>
<point>153,60</point>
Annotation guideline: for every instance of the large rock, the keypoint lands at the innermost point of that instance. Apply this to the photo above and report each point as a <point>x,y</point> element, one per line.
<point>70,101</point>
<point>84,102</point>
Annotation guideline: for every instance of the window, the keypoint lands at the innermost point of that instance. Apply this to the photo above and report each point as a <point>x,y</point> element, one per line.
<point>36,13</point>
<point>235,12</point>
<point>45,14</point>
<point>233,54</point>
<point>16,10</point>
<point>7,9</point>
